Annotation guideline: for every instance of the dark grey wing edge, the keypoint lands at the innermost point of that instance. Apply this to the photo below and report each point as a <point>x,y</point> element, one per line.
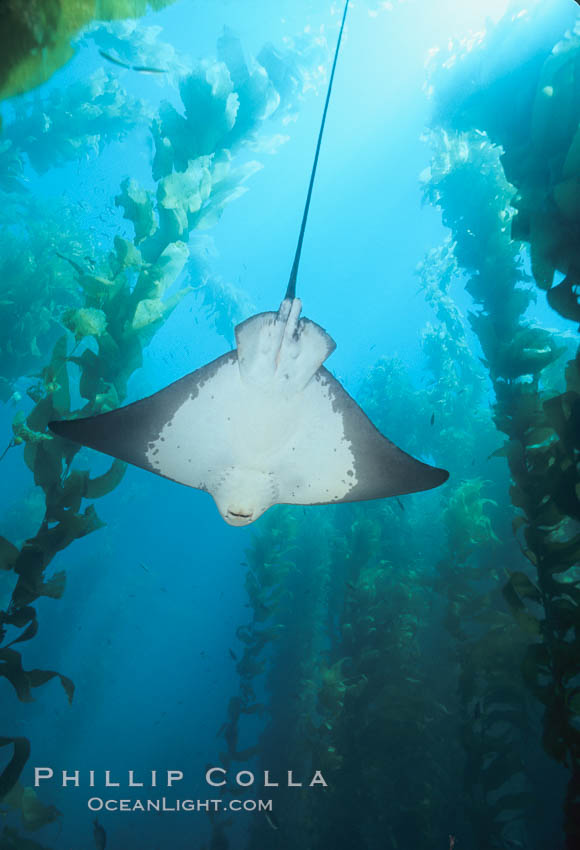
<point>381,468</point>
<point>126,433</point>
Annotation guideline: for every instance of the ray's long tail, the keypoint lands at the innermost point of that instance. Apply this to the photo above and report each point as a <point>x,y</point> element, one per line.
<point>291,289</point>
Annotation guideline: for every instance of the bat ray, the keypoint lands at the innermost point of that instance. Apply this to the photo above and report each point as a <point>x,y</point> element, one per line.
<point>264,424</point>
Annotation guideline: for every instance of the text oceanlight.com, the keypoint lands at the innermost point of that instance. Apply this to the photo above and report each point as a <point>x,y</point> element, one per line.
<point>98,804</point>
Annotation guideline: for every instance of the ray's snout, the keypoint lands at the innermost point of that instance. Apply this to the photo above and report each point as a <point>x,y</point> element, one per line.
<point>236,515</point>
<point>242,495</point>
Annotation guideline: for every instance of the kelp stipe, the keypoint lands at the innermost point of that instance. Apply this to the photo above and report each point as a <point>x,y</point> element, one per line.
<point>538,156</point>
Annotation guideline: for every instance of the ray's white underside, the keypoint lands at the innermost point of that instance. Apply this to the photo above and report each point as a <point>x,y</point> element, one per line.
<point>264,429</point>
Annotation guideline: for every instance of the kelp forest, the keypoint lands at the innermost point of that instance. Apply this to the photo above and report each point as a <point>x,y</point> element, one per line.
<point>422,652</point>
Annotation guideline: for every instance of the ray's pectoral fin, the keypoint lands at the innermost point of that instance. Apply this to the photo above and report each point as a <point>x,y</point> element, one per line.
<point>139,432</point>
<point>379,468</point>
<point>120,433</point>
<point>280,351</point>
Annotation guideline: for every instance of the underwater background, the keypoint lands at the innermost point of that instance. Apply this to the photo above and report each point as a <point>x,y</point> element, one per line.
<point>422,652</point>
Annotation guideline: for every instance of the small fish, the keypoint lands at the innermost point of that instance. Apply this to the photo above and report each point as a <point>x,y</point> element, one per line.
<point>400,504</point>
<point>233,655</point>
<point>433,418</point>
<point>76,267</point>
<point>144,567</point>
<point>145,69</point>
<point>112,59</point>
<point>99,835</point>
<point>91,262</point>
<point>451,842</point>
<point>272,820</point>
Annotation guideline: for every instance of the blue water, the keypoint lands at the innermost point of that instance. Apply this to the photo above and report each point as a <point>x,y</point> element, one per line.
<point>153,601</point>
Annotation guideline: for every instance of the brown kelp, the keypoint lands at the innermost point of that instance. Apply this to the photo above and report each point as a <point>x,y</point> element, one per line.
<point>35,39</point>
<point>488,646</point>
<point>495,723</point>
<point>526,190</point>
<point>88,313</point>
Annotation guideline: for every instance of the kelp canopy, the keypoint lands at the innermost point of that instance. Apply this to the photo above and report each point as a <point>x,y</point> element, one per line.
<point>35,35</point>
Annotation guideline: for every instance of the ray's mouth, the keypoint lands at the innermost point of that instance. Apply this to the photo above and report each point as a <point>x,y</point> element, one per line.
<point>239,517</point>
